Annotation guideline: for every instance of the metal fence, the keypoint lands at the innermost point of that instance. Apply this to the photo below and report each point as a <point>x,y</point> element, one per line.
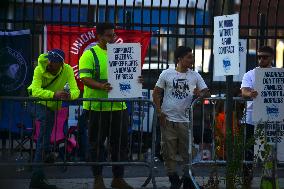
<point>210,147</point>
<point>172,23</point>
<point>20,125</point>
<point>19,132</point>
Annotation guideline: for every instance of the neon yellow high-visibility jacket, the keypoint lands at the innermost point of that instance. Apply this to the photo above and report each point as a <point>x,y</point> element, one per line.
<point>42,78</point>
<point>89,69</point>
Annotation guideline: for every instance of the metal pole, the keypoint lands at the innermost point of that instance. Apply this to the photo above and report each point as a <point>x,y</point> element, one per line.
<point>262,29</point>
<point>228,9</point>
<point>128,20</point>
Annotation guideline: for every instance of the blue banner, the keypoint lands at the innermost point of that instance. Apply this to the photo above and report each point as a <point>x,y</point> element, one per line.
<point>16,69</point>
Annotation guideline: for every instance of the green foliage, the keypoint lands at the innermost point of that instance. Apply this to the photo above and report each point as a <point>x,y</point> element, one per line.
<point>234,169</point>
<point>235,165</point>
<point>266,153</point>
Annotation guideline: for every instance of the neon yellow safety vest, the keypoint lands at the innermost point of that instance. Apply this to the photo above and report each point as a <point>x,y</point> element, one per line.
<point>44,84</point>
<point>94,65</point>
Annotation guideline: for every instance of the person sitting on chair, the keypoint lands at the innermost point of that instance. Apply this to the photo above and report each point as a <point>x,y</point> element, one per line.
<point>50,76</point>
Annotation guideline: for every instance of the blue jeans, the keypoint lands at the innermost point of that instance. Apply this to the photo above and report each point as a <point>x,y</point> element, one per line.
<point>82,135</point>
<point>46,118</point>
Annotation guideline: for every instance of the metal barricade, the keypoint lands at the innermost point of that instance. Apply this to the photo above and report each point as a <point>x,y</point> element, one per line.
<point>208,141</point>
<point>19,129</point>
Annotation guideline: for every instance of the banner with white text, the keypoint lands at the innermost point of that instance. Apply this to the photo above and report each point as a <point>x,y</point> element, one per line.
<point>75,40</point>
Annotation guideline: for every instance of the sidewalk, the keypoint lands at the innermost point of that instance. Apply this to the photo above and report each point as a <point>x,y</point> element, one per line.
<point>87,183</point>
<point>80,177</point>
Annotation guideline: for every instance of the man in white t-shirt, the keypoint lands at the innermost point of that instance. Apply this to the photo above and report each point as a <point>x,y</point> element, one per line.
<point>178,86</point>
<point>265,58</point>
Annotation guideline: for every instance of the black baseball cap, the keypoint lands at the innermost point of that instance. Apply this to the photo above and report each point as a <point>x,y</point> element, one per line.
<point>55,56</point>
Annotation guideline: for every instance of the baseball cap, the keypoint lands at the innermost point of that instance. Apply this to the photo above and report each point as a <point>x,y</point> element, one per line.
<point>55,56</point>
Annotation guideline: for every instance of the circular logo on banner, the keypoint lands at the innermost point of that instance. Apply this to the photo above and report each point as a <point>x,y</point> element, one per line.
<point>13,69</point>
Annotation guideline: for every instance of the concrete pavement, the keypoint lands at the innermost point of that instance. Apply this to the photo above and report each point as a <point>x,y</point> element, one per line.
<point>80,177</point>
<point>87,183</point>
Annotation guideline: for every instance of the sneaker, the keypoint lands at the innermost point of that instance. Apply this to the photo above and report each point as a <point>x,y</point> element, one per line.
<point>41,184</point>
<point>99,182</point>
<point>120,183</point>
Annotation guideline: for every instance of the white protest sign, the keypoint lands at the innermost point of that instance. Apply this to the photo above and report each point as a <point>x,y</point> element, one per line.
<point>74,112</point>
<point>226,45</point>
<point>269,103</point>
<point>124,68</point>
<point>242,64</point>
<point>272,139</point>
<point>142,113</point>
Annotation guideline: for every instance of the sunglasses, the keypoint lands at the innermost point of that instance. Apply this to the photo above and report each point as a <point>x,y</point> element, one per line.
<point>264,57</point>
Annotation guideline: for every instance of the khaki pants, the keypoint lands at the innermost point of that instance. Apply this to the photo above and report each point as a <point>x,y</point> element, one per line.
<point>175,138</point>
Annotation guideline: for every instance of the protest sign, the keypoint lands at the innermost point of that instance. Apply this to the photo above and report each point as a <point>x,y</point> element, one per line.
<point>226,45</point>
<point>142,113</point>
<point>269,103</point>
<point>242,64</point>
<point>124,68</point>
<point>75,112</point>
<point>274,135</point>
<point>269,107</point>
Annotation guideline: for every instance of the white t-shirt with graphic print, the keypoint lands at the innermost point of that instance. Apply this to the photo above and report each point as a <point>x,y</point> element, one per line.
<point>178,92</point>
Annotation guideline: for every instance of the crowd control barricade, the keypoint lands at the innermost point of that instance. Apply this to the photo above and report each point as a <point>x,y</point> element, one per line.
<point>19,130</point>
<point>208,141</point>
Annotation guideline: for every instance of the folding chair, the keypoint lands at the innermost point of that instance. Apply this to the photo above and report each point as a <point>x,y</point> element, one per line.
<point>15,127</point>
<point>60,138</point>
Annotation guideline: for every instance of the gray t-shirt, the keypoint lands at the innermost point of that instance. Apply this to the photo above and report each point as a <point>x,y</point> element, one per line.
<point>178,92</point>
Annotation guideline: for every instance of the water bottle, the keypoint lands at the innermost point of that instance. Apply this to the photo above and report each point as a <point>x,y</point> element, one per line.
<point>66,88</point>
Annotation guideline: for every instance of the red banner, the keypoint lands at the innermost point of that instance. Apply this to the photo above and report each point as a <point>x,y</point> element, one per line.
<point>75,40</point>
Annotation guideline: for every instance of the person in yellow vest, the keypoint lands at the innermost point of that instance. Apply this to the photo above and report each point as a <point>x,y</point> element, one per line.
<point>50,76</point>
<point>107,119</point>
